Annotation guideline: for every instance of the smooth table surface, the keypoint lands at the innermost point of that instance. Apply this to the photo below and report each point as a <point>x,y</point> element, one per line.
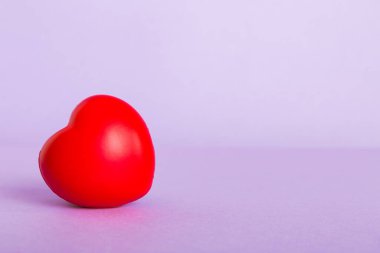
<point>206,200</point>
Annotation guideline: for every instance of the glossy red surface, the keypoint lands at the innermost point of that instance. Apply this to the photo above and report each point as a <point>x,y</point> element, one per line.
<point>104,157</point>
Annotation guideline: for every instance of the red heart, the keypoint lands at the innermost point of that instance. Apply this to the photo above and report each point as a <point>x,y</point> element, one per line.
<point>104,157</point>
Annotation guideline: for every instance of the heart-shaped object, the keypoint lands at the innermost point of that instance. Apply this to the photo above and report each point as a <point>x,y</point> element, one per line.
<point>104,157</point>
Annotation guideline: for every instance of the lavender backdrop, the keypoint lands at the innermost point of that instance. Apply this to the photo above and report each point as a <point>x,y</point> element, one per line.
<point>265,116</point>
<point>257,73</point>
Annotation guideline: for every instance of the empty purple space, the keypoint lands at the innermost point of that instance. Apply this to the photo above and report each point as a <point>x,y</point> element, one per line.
<point>206,200</point>
<point>207,73</point>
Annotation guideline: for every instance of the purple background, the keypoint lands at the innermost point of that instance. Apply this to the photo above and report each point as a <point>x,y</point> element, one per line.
<point>252,73</point>
<point>265,117</point>
<point>207,200</point>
